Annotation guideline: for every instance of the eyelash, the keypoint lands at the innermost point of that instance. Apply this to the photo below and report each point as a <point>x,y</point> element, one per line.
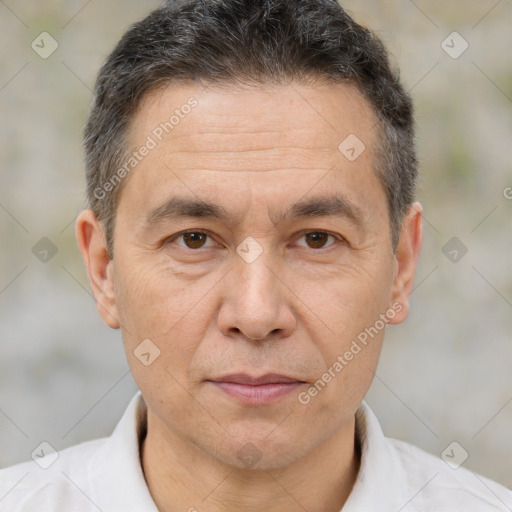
<point>337,238</point>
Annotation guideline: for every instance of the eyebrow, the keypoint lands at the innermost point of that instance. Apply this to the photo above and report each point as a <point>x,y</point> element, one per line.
<point>325,206</point>
<point>322,206</point>
<point>177,207</point>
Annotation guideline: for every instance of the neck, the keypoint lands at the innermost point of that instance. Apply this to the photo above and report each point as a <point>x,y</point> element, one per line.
<point>180,476</point>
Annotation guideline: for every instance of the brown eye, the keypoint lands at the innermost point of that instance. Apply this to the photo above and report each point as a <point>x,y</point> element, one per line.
<point>193,239</point>
<point>317,239</point>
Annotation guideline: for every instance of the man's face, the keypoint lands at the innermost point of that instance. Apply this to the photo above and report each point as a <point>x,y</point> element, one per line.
<point>276,286</point>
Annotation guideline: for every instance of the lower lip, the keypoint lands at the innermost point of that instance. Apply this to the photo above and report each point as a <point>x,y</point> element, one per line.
<point>257,395</point>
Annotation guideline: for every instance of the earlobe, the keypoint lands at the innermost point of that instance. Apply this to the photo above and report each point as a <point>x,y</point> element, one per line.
<point>406,259</point>
<point>91,241</point>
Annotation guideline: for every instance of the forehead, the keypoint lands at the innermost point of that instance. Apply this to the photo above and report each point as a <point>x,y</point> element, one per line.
<point>307,116</point>
<point>288,138</point>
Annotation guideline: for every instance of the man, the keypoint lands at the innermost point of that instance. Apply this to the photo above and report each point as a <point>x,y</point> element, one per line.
<point>252,231</point>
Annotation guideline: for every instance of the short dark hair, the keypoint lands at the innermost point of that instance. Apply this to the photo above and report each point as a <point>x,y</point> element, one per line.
<point>249,42</point>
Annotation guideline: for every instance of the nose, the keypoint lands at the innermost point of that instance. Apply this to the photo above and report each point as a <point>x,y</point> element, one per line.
<point>257,305</point>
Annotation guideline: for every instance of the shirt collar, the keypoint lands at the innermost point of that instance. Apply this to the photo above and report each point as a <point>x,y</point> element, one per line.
<point>120,455</point>
<point>380,483</point>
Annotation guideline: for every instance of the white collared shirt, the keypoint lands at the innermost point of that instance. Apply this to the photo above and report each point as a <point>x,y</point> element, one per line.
<point>106,475</point>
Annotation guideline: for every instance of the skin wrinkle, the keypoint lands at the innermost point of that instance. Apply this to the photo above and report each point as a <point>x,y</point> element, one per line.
<point>291,311</point>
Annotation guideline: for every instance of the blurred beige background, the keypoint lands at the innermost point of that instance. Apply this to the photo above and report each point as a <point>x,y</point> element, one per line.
<point>444,374</point>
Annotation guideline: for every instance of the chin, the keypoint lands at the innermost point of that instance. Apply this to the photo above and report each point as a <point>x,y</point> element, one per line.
<point>255,452</point>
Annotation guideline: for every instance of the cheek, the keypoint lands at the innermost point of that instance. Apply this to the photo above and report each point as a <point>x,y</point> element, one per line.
<point>349,366</point>
<point>139,298</point>
<point>160,330</point>
<point>348,302</point>
<point>151,300</point>
<point>156,305</point>
<point>348,320</point>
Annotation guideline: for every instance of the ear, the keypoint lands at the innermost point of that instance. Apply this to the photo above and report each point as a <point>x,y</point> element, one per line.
<point>406,259</point>
<point>92,244</point>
